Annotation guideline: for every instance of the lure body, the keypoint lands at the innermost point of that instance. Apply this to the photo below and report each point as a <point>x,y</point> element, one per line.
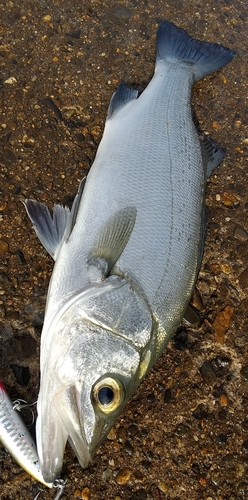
<point>16,438</point>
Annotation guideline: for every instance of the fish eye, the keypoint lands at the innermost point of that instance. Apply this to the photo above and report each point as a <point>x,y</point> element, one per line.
<point>108,394</point>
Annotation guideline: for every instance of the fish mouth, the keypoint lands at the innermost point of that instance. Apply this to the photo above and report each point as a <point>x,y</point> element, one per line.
<point>57,423</point>
<point>51,436</point>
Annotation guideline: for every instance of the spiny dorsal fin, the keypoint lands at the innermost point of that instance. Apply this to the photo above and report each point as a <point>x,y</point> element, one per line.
<point>53,229</point>
<point>50,229</point>
<point>121,97</point>
<point>112,240</point>
<point>212,154</point>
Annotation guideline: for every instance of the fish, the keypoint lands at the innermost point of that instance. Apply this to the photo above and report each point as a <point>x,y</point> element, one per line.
<point>16,438</point>
<point>127,254</point>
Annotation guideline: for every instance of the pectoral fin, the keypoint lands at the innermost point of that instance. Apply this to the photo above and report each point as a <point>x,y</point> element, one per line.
<point>112,240</point>
<point>191,317</point>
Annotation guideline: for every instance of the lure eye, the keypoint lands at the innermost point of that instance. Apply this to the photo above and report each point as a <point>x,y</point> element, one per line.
<point>108,394</point>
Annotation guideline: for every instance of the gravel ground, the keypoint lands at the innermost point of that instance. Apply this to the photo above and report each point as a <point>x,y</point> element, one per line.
<point>184,434</point>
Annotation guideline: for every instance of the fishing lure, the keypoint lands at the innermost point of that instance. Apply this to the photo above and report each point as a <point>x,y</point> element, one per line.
<point>16,438</point>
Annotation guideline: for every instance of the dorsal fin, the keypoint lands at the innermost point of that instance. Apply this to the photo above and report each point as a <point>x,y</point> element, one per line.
<point>50,228</point>
<point>53,229</point>
<point>121,97</point>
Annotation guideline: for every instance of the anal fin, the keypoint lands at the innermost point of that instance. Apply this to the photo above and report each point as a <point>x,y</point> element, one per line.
<point>212,154</point>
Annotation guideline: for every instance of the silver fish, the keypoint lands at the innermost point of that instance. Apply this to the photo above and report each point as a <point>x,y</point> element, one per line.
<point>127,255</point>
<point>16,439</point>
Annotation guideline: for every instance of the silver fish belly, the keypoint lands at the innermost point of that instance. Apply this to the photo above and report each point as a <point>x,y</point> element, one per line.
<point>127,255</point>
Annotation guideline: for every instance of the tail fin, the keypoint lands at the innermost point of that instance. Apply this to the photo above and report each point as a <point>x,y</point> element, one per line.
<point>175,44</point>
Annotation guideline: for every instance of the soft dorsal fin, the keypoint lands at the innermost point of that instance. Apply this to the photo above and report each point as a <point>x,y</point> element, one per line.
<point>112,240</point>
<point>53,229</point>
<point>212,154</point>
<point>121,97</point>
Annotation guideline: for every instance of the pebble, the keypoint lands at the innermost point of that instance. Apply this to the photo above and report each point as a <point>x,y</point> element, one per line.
<point>221,323</point>
<point>245,446</point>
<point>223,400</point>
<point>207,373</point>
<point>121,434</point>
<point>183,430</point>
<point>243,279</point>
<point>216,125</point>
<point>123,475</point>
<point>128,448</point>
<point>139,477</point>
<point>111,435</point>
<point>132,430</point>
<point>119,13</point>
<point>203,481</point>
<point>85,495</point>
<point>151,397</point>
<point>245,425</point>
<point>244,371</point>
<point>200,412</point>
<point>96,131</point>
<point>240,233</point>
<point>106,474</point>
<point>162,486</point>
<point>11,80</point>
<point>4,247</point>
<point>229,200</point>
<point>139,495</point>
<point>225,268</point>
<point>221,365</point>
<point>167,396</point>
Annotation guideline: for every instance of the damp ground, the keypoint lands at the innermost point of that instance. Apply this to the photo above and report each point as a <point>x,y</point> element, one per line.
<point>184,434</point>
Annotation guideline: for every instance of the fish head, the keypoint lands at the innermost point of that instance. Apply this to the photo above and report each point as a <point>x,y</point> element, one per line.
<point>90,373</point>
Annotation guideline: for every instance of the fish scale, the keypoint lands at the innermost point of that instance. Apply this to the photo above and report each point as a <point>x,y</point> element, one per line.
<point>128,254</point>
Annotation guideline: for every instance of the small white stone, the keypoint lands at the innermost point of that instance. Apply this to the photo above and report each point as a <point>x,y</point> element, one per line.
<point>11,80</point>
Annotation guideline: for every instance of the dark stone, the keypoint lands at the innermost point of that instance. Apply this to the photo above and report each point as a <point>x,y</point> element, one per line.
<point>183,430</point>
<point>222,438</point>
<point>20,347</point>
<point>129,448</point>
<point>20,255</point>
<point>181,340</point>
<point>132,430</point>
<point>75,34</point>
<point>200,412</point>
<point>245,446</point>
<point>139,495</point>
<point>220,365</point>
<point>207,373</point>
<point>22,374</point>
<point>151,397</point>
<point>167,396</point>
<point>243,279</point>
<point>244,371</point>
